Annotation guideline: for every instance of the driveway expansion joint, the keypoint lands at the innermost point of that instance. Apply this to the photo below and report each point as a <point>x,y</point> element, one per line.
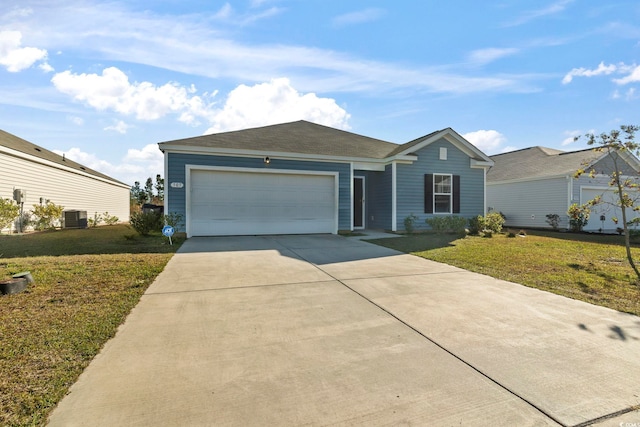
<point>414,329</point>
<point>230,288</point>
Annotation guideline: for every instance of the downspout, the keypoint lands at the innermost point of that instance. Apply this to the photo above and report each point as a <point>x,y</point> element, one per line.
<point>394,214</point>
<point>167,183</point>
<point>484,188</point>
<point>570,180</point>
<point>351,193</point>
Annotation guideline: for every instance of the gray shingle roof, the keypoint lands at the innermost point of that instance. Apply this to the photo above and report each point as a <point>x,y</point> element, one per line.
<point>296,137</point>
<point>538,162</point>
<point>18,144</point>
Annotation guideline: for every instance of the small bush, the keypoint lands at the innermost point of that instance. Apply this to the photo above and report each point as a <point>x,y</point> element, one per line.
<point>145,223</point>
<point>95,221</point>
<point>110,219</point>
<point>47,215</point>
<point>493,222</point>
<point>488,224</point>
<point>9,210</point>
<point>447,224</point>
<point>578,216</point>
<point>553,220</point>
<point>476,224</point>
<point>409,223</point>
<point>173,219</point>
<point>511,233</point>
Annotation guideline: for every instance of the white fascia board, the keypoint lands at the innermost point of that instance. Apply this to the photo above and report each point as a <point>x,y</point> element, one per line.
<point>35,159</point>
<point>538,178</point>
<point>480,164</point>
<point>454,138</point>
<point>367,163</point>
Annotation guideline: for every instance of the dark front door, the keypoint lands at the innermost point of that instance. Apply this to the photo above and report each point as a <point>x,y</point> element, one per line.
<point>358,202</point>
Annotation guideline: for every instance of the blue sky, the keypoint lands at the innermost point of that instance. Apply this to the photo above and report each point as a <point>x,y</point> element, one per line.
<point>105,81</point>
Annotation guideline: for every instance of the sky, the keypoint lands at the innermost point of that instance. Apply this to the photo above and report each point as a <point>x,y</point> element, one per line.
<point>105,81</point>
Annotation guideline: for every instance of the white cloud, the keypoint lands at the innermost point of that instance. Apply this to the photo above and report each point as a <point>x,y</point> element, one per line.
<point>137,165</point>
<point>14,57</point>
<point>584,72</point>
<point>113,91</point>
<point>115,32</point>
<point>358,17</point>
<point>570,137</point>
<point>78,121</point>
<point>119,126</point>
<point>275,102</point>
<point>149,153</point>
<point>484,56</point>
<point>486,140</point>
<point>634,76</point>
<point>552,9</point>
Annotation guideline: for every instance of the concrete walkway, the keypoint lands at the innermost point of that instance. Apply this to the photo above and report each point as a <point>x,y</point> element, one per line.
<point>327,330</point>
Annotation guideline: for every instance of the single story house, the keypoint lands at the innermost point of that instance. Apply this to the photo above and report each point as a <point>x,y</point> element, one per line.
<point>526,185</point>
<point>301,177</point>
<point>43,176</point>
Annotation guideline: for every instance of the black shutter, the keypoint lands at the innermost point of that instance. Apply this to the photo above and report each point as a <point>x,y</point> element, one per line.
<point>428,193</point>
<point>456,193</point>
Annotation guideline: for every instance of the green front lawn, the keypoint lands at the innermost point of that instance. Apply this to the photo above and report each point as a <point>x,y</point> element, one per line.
<point>86,282</point>
<point>591,268</point>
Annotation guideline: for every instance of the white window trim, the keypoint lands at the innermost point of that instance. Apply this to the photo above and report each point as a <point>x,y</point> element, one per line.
<point>450,194</point>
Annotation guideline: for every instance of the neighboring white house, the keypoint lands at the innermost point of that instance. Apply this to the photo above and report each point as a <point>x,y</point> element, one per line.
<point>526,185</point>
<point>46,176</point>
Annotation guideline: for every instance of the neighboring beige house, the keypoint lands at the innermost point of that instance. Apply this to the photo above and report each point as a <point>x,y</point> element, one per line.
<point>44,175</point>
<point>526,185</point>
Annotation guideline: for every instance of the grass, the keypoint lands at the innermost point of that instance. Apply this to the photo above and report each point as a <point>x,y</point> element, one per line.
<point>591,268</point>
<point>86,282</point>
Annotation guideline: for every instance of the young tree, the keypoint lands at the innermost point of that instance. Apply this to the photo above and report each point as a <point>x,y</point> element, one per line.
<point>148,188</point>
<point>618,144</point>
<point>159,187</point>
<point>138,194</point>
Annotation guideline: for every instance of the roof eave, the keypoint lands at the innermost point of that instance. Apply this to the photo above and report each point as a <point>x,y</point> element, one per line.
<point>169,148</point>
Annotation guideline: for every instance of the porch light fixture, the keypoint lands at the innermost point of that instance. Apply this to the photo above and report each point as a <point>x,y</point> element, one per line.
<point>267,160</point>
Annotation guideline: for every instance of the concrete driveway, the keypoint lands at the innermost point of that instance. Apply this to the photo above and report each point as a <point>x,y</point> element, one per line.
<point>327,330</point>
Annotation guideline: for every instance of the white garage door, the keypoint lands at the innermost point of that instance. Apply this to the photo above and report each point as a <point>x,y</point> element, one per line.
<point>247,203</point>
<point>607,208</point>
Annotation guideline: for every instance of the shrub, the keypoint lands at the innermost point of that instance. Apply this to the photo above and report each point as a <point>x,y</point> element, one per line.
<point>476,224</point>
<point>409,223</point>
<point>447,224</point>
<point>173,219</point>
<point>553,220</point>
<point>95,221</point>
<point>47,215</point>
<point>493,221</point>
<point>488,224</point>
<point>146,222</point>
<point>110,219</point>
<point>9,210</point>
<point>578,216</point>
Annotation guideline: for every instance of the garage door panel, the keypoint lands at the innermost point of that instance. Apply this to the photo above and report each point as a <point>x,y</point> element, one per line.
<point>607,207</point>
<point>235,203</point>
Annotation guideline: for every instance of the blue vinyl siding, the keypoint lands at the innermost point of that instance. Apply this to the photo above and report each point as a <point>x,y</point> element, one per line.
<point>377,199</point>
<point>178,161</point>
<point>410,183</point>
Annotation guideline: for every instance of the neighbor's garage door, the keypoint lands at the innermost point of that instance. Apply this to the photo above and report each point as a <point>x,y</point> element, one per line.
<point>246,203</point>
<point>608,207</point>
